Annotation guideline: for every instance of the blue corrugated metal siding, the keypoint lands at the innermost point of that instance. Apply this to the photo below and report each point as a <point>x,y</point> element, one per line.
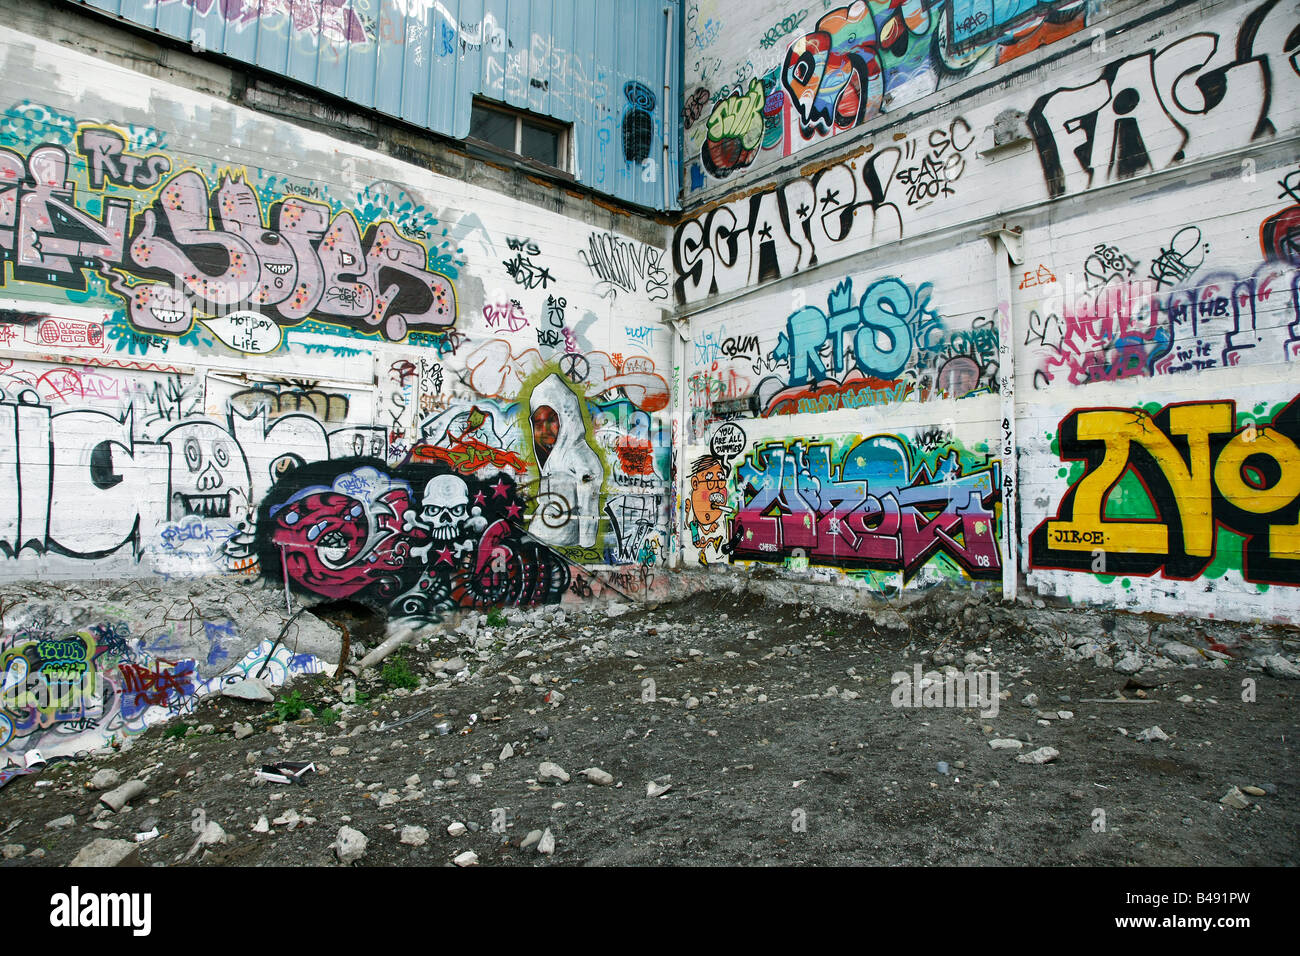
<point>598,64</point>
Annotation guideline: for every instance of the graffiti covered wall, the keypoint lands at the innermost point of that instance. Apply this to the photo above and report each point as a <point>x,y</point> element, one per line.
<point>1159,456</point>
<point>828,440</point>
<point>232,346</point>
<point>67,691</point>
<point>772,79</point>
<point>1099,405</point>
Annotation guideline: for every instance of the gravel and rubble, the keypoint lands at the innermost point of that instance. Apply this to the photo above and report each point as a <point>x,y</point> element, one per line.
<point>726,728</point>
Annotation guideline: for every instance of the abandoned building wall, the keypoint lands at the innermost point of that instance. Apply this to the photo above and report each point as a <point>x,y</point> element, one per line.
<point>607,67</point>
<point>1041,331</point>
<point>231,345</point>
<point>1008,300</point>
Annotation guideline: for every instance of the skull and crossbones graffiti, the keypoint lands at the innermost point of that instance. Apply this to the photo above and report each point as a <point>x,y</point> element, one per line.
<point>446,515</point>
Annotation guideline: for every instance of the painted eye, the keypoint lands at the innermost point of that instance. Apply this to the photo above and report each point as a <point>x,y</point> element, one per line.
<point>220,453</point>
<point>283,465</point>
<point>193,456</point>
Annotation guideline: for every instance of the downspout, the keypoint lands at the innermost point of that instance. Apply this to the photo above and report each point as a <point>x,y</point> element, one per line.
<point>680,328</point>
<point>668,65</point>
<point>1007,248</point>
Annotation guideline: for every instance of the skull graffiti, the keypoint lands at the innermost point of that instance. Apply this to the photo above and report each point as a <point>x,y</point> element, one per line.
<point>209,474</point>
<point>445,507</point>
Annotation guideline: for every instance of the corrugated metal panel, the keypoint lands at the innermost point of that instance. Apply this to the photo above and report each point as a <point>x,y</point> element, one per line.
<point>598,64</point>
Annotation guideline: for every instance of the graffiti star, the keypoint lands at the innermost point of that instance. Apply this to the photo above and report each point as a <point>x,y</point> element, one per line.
<point>499,489</point>
<point>830,197</point>
<point>766,231</point>
<point>480,498</point>
<point>444,555</point>
<point>513,510</point>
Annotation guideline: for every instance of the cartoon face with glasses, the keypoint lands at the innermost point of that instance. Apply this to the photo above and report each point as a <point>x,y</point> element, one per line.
<point>708,509</point>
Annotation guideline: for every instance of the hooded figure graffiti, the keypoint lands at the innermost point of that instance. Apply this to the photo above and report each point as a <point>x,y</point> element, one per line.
<point>570,472</point>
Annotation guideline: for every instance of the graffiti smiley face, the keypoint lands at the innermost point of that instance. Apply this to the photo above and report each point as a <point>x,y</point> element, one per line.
<point>160,308</point>
<point>279,266</point>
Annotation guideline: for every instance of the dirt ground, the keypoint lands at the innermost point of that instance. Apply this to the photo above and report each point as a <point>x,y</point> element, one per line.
<point>771,726</point>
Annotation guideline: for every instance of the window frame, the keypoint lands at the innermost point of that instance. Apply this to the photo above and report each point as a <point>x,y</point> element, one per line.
<point>563,131</point>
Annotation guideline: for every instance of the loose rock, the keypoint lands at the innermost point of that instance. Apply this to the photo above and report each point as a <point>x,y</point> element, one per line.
<point>1130,663</point>
<point>549,772</point>
<point>1278,666</point>
<point>414,836</point>
<point>350,845</point>
<point>105,779</point>
<point>1235,799</point>
<point>1040,756</point>
<point>1181,653</point>
<point>1150,734</point>
<point>105,852</point>
<point>250,688</point>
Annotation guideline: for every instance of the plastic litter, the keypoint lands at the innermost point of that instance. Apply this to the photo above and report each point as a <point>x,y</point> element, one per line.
<point>288,771</point>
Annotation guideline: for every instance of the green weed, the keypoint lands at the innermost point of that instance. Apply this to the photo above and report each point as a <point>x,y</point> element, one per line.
<point>289,708</point>
<point>397,673</point>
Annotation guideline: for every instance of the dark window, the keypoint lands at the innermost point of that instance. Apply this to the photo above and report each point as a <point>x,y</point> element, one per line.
<point>493,126</point>
<point>523,134</point>
<point>540,143</point>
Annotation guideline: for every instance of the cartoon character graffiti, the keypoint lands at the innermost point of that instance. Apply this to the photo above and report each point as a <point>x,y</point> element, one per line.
<point>709,516</point>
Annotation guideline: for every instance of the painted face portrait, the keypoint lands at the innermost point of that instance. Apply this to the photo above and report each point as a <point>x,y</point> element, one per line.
<point>546,431</point>
<point>708,490</point>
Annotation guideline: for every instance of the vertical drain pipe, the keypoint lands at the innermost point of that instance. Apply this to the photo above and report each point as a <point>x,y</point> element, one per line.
<point>1007,247</point>
<point>668,174</point>
<point>676,327</point>
<point>680,332</point>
